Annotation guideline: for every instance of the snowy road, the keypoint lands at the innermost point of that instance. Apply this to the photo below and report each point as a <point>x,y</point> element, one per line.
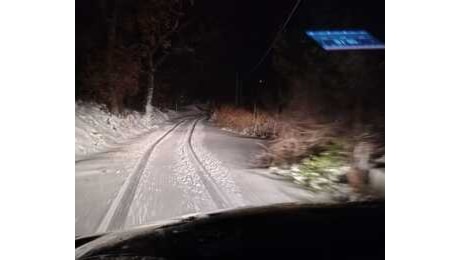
<point>181,167</point>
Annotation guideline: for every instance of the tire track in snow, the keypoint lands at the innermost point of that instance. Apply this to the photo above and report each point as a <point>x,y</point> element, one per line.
<point>214,176</point>
<point>171,185</point>
<point>186,176</point>
<point>118,210</point>
<point>217,170</point>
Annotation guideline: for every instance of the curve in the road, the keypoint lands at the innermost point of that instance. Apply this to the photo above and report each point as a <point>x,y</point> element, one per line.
<point>219,198</point>
<point>116,215</point>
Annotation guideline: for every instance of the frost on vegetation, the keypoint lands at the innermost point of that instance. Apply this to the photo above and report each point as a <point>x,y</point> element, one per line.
<point>96,129</point>
<point>320,172</point>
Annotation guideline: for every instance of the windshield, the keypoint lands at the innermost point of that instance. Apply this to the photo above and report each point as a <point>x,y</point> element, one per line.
<point>196,106</point>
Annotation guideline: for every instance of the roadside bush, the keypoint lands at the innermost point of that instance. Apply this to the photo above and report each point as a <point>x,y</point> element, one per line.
<point>320,163</point>
<point>315,153</point>
<point>322,169</point>
<point>292,138</point>
<point>297,140</point>
<point>243,121</point>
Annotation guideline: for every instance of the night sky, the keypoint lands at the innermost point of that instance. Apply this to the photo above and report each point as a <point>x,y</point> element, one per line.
<point>250,26</point>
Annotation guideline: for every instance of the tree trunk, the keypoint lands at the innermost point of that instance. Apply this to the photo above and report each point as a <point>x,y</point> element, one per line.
<point>111,38</point>
<point>151,85</point>
<point>114,106</point>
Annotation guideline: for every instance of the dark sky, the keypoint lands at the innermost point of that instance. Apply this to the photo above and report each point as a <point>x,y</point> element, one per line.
<point>251,25</point>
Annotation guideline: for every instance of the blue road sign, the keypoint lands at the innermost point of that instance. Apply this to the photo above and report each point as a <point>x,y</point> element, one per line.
<point>345,40</point>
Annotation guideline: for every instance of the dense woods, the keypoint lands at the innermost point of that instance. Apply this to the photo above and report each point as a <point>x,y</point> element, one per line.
<point>338,86</point>
<point>122,44</point>
<point>133,54</point>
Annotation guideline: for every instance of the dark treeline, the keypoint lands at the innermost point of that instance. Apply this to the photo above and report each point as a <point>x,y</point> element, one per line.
<point>302,80</point>
<point>333,86</point>
<point>124,47</point>
<point>163,52</point>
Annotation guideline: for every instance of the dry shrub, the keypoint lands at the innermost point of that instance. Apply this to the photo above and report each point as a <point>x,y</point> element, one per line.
<point>296,140</point>
<point>232,117</point>
<point>368,153</point>
<point>294,137</point>
<point>247,122</point>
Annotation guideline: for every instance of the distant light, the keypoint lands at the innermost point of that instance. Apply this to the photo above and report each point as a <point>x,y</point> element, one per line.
<point>261,81</point>
<point>345,40</point>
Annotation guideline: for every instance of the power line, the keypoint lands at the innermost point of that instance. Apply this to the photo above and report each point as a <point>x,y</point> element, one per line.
<point>296,5</point>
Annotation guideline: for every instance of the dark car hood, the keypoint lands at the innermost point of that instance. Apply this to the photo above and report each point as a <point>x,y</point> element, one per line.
<point>325,231</point>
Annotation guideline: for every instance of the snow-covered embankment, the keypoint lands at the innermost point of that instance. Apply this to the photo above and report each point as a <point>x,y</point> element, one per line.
<point>97,130</point>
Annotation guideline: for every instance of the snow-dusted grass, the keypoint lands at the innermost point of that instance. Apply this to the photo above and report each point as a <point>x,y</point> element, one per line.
<point>96,129</point>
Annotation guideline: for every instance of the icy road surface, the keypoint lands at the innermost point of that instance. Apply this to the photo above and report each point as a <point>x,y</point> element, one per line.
<point>181,167</point>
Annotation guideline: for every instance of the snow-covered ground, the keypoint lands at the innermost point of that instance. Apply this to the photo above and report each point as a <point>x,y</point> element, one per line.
<point>141,169</point>
<point>97,130</point>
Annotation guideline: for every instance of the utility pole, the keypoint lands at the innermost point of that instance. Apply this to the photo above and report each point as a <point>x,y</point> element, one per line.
<point>281,29</point>
<point>270,47</point>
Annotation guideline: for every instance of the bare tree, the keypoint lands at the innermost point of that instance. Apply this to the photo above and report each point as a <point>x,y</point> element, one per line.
<point>159,21</point>
<point>138,37</point>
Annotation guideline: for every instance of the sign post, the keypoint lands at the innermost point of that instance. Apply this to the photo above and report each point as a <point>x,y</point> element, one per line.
<point>338,40</point>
